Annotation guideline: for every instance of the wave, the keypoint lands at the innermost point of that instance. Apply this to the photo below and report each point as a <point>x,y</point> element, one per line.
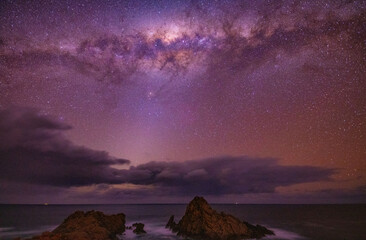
<point>11,232</point>
<point>155,231</point>
<point>281,234</point>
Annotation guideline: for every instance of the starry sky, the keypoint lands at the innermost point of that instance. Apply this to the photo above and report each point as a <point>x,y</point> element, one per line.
<point>157,101</point>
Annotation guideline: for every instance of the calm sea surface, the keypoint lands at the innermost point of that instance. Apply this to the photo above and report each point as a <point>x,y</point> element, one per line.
<point>288,221</point>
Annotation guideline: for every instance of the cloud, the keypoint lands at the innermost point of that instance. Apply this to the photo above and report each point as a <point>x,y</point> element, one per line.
<point>223,175</point>
<point>33,150</point>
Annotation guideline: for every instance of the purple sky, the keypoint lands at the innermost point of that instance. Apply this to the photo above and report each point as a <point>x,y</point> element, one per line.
<point>159,101</point>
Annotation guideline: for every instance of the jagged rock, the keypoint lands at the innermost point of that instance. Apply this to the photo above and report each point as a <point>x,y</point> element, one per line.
<point>139,228</point>
<point>200,221</point>
<point>258,230</point>
<point>171,224</point>
<point>91,225</point>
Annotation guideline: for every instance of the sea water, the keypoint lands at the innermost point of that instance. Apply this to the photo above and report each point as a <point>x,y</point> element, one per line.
<point>289,222</point>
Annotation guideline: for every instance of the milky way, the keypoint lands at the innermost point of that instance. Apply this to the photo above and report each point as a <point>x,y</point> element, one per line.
<point>277,86</point>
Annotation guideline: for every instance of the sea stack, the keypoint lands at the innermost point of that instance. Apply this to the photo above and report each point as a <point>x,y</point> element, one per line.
<point>201,222</point>
<point>91,225</point>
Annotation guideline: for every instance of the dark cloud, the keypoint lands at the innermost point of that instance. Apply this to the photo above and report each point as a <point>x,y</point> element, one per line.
<point>33,150</point>
<point>223,175</point>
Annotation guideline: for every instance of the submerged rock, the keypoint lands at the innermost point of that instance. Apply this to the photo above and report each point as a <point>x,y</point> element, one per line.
<point>91,225</point>
<point>200,221</point>
<point>139,228</point>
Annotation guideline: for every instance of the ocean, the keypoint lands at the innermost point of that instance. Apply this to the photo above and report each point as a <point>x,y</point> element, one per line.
<point>289,222</point>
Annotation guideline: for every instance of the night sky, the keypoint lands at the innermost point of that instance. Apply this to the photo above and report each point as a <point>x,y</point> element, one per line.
<point>158,101</point>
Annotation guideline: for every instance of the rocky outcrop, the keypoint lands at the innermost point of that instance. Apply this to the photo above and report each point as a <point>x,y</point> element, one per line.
<point>139,228</point>
<point>172,225</point>
<point>258,231</point>
<point>91,225</point>
<point>200,221</point>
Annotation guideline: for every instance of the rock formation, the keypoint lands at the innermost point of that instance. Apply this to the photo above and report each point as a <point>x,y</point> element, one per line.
<point>139,228</point>
<point>258,231</point>
<point>171,224</point>
<point>200,221</point>
<point>91,225</point>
